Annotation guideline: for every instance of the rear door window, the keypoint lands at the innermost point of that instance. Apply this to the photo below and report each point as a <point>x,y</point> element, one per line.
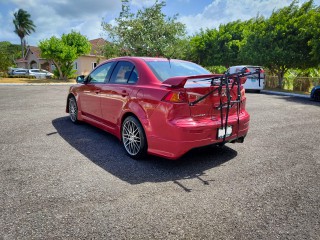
<point>124,72</point>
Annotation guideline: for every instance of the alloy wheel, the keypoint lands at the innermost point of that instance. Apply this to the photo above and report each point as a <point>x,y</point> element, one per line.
<point>73,109</point>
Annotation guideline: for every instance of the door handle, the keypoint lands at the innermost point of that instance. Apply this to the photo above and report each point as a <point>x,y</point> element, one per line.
<point>97,91</point>
<point>124,93</point>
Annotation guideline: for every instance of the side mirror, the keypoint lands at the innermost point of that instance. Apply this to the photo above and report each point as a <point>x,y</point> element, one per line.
<point>80,79</point>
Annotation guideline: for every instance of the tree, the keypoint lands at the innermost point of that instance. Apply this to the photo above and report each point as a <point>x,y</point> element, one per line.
<point>8,53</point>
<point>63,52</point>
<point>283,41</point>
<point>23,26</point>
<point>147,33</point>
<point>220,46</point>
<point>312,23</point>
<point>5,62</point>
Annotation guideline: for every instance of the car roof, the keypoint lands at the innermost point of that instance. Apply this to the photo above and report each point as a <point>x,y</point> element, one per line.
<point>144,58</point>
<point>244,66</point>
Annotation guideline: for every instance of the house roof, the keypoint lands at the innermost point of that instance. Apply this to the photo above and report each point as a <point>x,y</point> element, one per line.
<point>97,46</point>
<point>34,50</point>
<point>21,60</point>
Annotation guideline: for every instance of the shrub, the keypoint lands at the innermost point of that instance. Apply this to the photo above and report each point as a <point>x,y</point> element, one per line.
<point>216,69</point>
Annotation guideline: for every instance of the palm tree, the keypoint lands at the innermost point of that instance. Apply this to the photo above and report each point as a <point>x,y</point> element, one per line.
<point>23,26</point>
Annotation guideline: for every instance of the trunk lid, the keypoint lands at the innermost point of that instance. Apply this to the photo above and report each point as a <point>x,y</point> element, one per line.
<point>196,87</point>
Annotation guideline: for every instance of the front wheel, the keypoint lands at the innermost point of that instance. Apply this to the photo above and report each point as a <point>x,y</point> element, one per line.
<point>73,110</point>
<point>133,138</point>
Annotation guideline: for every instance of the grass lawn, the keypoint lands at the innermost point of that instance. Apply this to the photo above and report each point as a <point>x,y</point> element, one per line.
<point>27,80</point>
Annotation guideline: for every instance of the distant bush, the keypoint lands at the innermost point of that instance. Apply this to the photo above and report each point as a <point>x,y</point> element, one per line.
<point>216,69</point>
<point>296,80</point>
<point>3,74</point>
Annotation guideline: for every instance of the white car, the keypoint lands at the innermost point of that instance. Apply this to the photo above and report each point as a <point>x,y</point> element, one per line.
<point>39,73</point>
<point>17,71</point>
<point>255,81</point>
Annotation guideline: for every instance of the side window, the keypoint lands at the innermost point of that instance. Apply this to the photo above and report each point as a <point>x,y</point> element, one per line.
<point>100,74</point>
<point>124,72</point>
<point>134,76</point>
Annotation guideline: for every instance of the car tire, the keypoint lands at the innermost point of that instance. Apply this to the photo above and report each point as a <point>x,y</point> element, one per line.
<point>133,138</point>
<point>73,109</point>
<point>317,95</point>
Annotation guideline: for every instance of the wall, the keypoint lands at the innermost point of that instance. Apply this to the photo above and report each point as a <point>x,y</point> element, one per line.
<point>84,64</point>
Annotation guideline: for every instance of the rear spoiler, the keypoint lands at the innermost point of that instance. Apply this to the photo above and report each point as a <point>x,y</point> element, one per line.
<point>179,82</point>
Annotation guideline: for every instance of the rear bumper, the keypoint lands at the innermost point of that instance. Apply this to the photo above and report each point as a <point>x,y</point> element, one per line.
<point>186,134</point>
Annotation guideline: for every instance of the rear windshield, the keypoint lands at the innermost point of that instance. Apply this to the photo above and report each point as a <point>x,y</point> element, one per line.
<point>173,68</point>
<point>252,69</point>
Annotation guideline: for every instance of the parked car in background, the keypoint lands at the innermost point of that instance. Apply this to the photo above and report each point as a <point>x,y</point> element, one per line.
<point>17,71</point>
<point>254,82</point>
<point>315,93</point>
<point>39,73</point>
<point>160,106</point>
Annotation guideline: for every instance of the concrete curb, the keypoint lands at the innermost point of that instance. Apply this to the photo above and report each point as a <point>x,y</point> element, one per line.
<point>285,94</point>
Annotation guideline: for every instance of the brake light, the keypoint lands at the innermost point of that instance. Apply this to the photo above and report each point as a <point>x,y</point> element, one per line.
<point>243,80</point>
<point>176,97</point>
<point>242,93</point>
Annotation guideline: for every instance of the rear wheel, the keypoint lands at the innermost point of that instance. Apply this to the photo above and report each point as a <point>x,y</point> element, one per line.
<point>73,110</point>
<point>133,138</point>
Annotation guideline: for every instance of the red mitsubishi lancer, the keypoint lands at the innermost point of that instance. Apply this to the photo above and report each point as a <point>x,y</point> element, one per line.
<point>161,106</point>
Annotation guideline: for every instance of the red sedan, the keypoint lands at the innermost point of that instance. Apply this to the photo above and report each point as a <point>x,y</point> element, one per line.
<point>160,106</point>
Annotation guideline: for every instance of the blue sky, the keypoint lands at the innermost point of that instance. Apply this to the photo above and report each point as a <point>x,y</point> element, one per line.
<point>55,17</point>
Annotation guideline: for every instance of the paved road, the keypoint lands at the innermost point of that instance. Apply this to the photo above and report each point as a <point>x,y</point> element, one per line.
<point>65,181</point>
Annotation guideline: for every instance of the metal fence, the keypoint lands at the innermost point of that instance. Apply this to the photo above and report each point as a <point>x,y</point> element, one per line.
<point>303,84</point>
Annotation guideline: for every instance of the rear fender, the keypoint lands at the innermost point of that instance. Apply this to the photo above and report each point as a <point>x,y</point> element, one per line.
<point>134,109</point>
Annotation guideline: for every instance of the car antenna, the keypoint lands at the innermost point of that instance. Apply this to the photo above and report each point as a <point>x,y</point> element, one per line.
<point>169,59</point>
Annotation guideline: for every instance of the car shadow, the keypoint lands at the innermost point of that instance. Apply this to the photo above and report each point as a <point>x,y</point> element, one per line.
<point>300,100</point>
<point>295,99</point>
<point>106,151</point>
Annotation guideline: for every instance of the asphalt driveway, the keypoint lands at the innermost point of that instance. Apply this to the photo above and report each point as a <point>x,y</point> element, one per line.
<point>64,181</point>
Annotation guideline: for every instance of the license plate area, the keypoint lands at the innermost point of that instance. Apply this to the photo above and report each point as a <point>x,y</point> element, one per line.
<point>222,132</point>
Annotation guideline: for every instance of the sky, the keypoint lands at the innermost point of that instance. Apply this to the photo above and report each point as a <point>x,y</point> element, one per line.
<point>55,17</point>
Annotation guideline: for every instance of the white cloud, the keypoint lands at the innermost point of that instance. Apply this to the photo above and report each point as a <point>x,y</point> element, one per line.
<point>224,11</point>
<point>142,3</point>
<point>55,17</point>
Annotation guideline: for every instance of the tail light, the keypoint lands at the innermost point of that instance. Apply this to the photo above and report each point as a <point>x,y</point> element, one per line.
<point>243,100</point>
<point>176,97</point>
<point>243,80</point>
